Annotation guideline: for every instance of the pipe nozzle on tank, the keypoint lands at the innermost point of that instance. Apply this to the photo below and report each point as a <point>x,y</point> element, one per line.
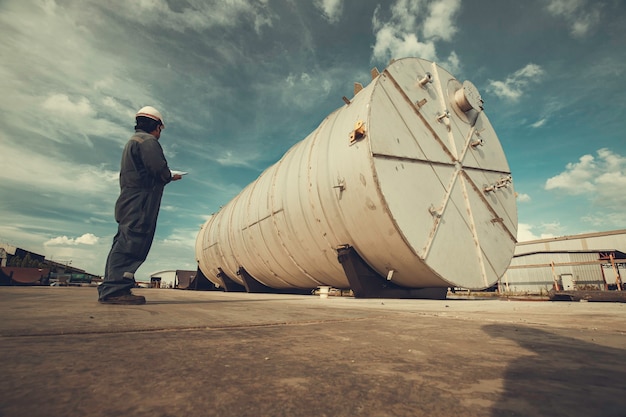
<point>468,97</point>
<point>427,78</point>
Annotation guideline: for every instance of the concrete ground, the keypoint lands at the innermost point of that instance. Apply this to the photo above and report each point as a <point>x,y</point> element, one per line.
<point>189,353</point>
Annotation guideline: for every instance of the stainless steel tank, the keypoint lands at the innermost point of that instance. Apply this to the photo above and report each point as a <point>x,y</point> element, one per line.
<point>409,172</point>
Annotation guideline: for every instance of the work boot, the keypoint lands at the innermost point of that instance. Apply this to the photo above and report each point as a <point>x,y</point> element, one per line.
<point>127,298</point>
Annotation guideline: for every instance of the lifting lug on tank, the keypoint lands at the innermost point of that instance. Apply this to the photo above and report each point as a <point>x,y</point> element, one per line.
<point>502,183</point>
<point>477,142</point>
<point>434,212</point>
<point>358,133</point>
<point>341,185</point>
<point>442,116</point>
<point>420,103</point>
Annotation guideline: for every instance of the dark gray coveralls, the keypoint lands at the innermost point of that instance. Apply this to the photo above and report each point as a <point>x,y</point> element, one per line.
<point>143,175</point>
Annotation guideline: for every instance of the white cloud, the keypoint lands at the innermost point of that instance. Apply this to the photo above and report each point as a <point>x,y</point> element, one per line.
<point>551,229</point>
<point>440,22</point>
<point>577,178</point>
<point>512,88</point>
<point>397,37</point>
<point>539,123</point>
<point>294,80</point>
<point>58,88</point>
<point>564,7</point>
<point>452,63</point>
<point>527,232</point>
<point>72,119</point>
<point>315,86</point>
<point>91,258</point>
<point>62,106</point>
<point>392,44</point>
<point>197,16</point>
<point>603,220</point>
<point>600,179</point>
<point>579,15</point>
<point>524,233</point>
<point>86,239</point>
<point>29,168</point>
<point>183,237</point>
<point>331,9</point>
<point>523,198</point>
<point>229,158</point>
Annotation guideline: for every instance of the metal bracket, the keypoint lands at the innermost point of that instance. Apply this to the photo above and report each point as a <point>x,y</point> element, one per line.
<point>420,104</point>
<point>367,283</point>
<point>201,282</point>
<point>442,116</point>
<point>503,182</point>
<point>434,212</point>
<point>251,284</point>
<point>358,133</point>
<point>228,283</point>
<point>254,286</point>
<point>478,141</point>
<point>341,185</point>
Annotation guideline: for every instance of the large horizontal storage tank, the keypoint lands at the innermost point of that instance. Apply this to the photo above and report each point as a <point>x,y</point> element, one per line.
<point>409,174</point>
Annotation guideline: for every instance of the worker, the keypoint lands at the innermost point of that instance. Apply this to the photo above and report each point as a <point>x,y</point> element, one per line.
<point>143,175</point>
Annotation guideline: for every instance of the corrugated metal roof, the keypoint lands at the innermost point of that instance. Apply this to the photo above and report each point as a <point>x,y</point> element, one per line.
<point>576,237</point>
<point>616,253</point>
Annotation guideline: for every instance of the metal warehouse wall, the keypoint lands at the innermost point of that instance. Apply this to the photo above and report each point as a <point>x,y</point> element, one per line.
<point>537,272</point>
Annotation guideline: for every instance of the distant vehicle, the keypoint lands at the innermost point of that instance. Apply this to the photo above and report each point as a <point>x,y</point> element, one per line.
<point>80,279</point>
<point>73,279</point>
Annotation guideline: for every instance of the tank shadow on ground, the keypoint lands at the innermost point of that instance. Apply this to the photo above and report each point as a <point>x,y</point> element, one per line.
<point>561,376</point>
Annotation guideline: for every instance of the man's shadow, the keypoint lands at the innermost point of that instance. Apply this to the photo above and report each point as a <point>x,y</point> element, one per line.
<point>561,376</point>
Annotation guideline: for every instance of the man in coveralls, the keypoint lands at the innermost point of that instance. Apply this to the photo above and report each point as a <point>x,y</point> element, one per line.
<point>143,175</point>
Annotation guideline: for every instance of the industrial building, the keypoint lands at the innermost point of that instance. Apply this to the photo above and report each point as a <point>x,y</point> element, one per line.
<point>591,261</point>
<point>22,267</point>
<point>176,278</point>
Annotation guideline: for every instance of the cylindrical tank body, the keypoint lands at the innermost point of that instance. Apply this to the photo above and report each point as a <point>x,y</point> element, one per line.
<point>410,173</point>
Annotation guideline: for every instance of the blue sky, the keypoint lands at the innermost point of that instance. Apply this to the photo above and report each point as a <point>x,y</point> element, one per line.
<point>240,81</point>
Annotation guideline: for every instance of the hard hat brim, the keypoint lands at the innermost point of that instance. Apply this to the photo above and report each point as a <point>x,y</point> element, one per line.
<point>151,116</point>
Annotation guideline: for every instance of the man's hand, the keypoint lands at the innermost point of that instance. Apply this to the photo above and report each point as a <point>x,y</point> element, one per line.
<point>176,177</point>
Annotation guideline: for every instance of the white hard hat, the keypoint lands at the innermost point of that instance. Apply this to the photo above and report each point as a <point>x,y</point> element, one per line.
<point>151,112</point>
